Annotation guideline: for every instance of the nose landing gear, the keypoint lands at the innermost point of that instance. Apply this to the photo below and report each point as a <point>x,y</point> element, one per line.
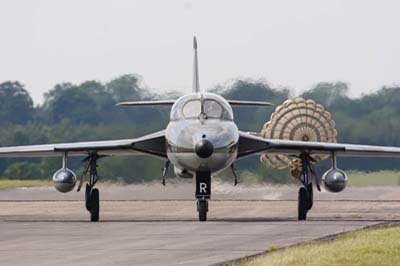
<point>203,193</point>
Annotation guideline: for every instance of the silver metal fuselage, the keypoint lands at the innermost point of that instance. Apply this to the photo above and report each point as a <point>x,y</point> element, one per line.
<point>214,124</point>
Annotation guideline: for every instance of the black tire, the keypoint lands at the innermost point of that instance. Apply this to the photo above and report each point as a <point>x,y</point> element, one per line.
<point>87,197</point>
<point>302,204</point>
<point>94,205</point>
<point>202,208</point>
<point>310,196</point>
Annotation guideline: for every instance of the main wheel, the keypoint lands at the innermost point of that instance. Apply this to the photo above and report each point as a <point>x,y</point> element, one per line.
<point>94,205</point>
<point>310,196</point>
<point>202,208</point>
<point>302,204</point>
<point>87,197</point>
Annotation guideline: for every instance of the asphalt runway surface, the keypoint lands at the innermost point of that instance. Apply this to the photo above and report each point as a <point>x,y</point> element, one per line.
<point>152,225</point>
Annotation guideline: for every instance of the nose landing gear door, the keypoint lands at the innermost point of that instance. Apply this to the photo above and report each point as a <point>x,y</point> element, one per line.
<point>203,185</point>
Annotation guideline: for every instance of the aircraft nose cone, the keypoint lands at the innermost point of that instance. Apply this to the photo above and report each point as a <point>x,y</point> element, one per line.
<point>204,148</point>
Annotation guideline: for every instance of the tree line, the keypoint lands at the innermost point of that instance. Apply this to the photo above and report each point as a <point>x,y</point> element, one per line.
<point>88,111</point>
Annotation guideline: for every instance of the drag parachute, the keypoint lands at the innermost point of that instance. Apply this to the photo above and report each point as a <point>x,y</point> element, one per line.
<point>301,120</point>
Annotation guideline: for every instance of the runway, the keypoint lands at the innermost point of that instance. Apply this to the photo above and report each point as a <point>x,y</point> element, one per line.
<point>165,231</point>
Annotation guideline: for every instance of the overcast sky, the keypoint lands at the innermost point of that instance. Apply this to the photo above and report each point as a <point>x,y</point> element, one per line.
<point>288,43</point>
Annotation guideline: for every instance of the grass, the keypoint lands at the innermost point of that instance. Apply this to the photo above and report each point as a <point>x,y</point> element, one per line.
<point>8,183</point>
<point>273,248</point>
<point>373,178</point>
<point>362,248</point>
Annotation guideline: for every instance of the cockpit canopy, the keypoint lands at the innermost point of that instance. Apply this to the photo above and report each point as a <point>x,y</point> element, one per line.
<point>189,107</point>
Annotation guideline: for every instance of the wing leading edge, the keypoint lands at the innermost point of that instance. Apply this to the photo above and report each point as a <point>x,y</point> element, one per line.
<point>233,103</point>
<point>252,145</point>
<point>153,145</point>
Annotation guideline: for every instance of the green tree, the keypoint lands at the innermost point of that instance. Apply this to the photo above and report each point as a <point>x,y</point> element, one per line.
<point>127,88</point>
<point>327,93</point>
<point>87,103</point>
<point>16,105</point>
<point>23,170</point>
<point>253,118</point>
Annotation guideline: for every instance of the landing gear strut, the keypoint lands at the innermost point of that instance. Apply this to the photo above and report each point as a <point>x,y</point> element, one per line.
<point>92,195</point>
<point>203,193</point>
<point>305,198</point>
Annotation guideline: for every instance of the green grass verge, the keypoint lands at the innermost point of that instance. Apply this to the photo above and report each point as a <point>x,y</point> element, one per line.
<point>8,183</point>
<point>373,178</point>
<point>362,248</point>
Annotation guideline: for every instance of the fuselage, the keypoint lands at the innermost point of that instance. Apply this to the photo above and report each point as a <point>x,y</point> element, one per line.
<point>201,134</point>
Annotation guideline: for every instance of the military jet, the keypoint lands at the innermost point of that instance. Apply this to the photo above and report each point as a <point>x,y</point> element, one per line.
<point>201,139</point>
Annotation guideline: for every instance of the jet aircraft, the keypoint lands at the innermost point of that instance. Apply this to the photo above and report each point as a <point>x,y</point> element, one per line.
<point>201,139</point>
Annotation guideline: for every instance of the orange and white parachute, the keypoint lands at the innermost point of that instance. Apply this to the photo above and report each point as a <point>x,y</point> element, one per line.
<point>297,119</point>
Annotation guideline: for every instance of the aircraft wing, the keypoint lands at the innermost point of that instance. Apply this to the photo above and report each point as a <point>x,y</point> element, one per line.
<point>153,144</point>
<point>252,145</point>
<point>147,103</point>
<point>233,103</point>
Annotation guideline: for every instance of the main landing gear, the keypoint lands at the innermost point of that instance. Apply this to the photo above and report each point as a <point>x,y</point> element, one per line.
<point>203,193</point>
<point>92,197</point>
<point>305,197</point>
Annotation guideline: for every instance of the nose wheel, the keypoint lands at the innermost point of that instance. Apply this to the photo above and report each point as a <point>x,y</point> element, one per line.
<point>202,209</point>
